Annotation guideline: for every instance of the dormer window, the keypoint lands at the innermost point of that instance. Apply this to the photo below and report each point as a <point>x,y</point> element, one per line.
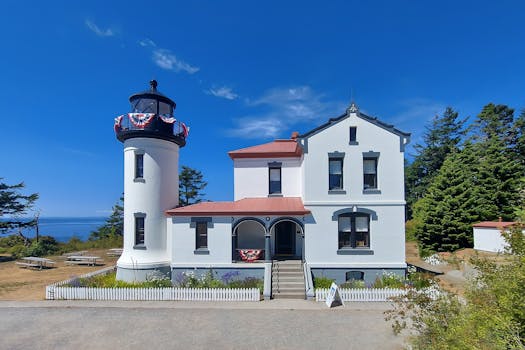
<point>275,179</point>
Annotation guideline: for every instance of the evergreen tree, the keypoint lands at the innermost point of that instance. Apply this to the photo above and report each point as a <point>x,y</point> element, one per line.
<point>191,184</point>
<point>441,138</point>
<point>478,183</point>
<point>114,225</point>
<point>13,205</point>
<point>444,215</point>
<point>519,133</point>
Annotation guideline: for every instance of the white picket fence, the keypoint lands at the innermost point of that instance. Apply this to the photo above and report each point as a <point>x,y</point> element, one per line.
<point>56,291</point>
<point>362,294</point>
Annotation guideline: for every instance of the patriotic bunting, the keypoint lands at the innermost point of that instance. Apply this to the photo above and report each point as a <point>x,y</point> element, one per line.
<point>118,122</point>
<point>166,118</point>
<point>185,129</point>
<point>140,120</point>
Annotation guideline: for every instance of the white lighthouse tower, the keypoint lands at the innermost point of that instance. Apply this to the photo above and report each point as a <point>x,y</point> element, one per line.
<point>152,139</point>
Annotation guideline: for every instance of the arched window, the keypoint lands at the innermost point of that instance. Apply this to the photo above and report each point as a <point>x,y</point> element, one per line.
<point>354,230</point>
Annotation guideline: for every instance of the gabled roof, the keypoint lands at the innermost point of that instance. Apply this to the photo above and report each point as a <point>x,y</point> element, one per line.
<point>353,109</point>
<point>495,224</point>
<point>274,149</point>
<point>245,207</point>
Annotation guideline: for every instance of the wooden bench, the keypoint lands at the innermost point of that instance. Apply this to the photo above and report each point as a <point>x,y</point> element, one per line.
<point>114,252</point>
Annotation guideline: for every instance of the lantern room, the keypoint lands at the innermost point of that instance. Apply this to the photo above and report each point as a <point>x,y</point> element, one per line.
<point>151,116</point>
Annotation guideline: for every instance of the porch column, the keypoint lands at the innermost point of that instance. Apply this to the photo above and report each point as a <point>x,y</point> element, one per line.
<point>267,253</point>
<point>234,247</point>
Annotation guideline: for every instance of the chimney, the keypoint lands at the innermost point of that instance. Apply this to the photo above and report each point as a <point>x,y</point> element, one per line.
<point>295,135</point>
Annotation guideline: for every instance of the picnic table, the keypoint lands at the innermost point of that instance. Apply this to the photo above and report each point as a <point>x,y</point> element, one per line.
<point>114,252</point>
<point>81,252</point>
<point>84,260</point>
<point>35,262</point>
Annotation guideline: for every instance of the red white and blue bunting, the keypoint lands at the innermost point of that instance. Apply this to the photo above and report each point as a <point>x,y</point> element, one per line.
<point>118,123</point>
<point>140,120</point>
<point>185,129</point>
<point>166,118</point>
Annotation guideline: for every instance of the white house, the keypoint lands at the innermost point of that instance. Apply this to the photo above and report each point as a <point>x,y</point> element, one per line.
<point>488,235</point>
<point>331,200</point>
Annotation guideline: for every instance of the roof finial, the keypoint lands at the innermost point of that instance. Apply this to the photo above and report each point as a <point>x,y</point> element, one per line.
<point>153,83</point>
<point>353,108</point>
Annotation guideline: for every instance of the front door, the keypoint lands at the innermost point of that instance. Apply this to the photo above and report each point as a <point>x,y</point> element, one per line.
<point>285,238</point>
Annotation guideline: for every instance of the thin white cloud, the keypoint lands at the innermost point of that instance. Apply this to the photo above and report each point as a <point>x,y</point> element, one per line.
<point>147,43</point>
<point>282,108</point>
<point>99,31</point>
<point>223,92</point>
<point>254,127</point>
<point>165,59</point>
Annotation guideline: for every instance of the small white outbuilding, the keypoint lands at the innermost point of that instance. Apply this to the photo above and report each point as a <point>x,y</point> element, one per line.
<point>488,235</point>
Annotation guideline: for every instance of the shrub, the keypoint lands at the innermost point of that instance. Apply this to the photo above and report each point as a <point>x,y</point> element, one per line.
<point>322,282</point>
<point>353,284</point>
<point>419,280</point>
<point>11,241</point>
<point>389,280</point>
<point>18,251</point>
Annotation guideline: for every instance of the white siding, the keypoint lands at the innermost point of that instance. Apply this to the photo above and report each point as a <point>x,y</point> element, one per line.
<point>387,239</point>
<point>252,180</point>
<point>489,239</point>
<point>183,242</point>
<point>371,138</point>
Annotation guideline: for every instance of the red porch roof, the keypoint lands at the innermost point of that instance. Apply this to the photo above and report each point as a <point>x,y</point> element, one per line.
<point>245,207</point>
<point>495,224</point>
<point>274,149</point>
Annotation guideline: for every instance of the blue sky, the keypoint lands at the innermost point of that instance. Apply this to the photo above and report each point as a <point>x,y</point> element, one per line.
<point>241,72</point>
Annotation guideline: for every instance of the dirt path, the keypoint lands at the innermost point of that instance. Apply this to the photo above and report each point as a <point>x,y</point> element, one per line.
<point>27,284</point>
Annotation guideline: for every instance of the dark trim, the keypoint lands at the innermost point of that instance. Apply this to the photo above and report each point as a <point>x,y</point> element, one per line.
<point>139,247</point>
<point>235,224</point>
<point>336,154</point>
<point>372,191</point>
<point>123,135</point>
<point>201,219</point>
<point>372,120</point>
<point>336,191</point>
<point>284,218</point>
<point>355,251</point>
<point>372,213</point>
<point>201,251</point>
<point>371,154</point>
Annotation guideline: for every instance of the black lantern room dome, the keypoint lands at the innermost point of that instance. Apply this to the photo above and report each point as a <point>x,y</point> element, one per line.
<point>151,116</point>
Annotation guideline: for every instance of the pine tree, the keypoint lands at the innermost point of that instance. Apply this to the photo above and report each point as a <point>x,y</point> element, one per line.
<point>191,184</point>
<point>13,205</point>
<point>441,138</point>
<point>114,225</point>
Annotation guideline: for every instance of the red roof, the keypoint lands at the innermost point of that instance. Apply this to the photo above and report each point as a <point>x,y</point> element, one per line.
<point>495,224</point>
<point>274,149</point>
<point>244,207</point>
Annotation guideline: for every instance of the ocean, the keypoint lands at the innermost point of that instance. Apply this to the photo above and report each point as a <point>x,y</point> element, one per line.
<point>63,228</point>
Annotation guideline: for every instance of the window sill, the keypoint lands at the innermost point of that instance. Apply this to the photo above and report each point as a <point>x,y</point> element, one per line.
<point>336,192</point>
<point>139,179</point>
<point>139,247</point>
<point>353,143</point>
<point>355,251</point>
<point>201,251</point>
<point>372,191</point>
<point>275,195</point>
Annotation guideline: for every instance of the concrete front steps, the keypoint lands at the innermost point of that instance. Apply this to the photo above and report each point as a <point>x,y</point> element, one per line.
<point>288,280</point>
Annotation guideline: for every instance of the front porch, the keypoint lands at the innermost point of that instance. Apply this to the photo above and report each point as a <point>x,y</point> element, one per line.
<point>262,240</point>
